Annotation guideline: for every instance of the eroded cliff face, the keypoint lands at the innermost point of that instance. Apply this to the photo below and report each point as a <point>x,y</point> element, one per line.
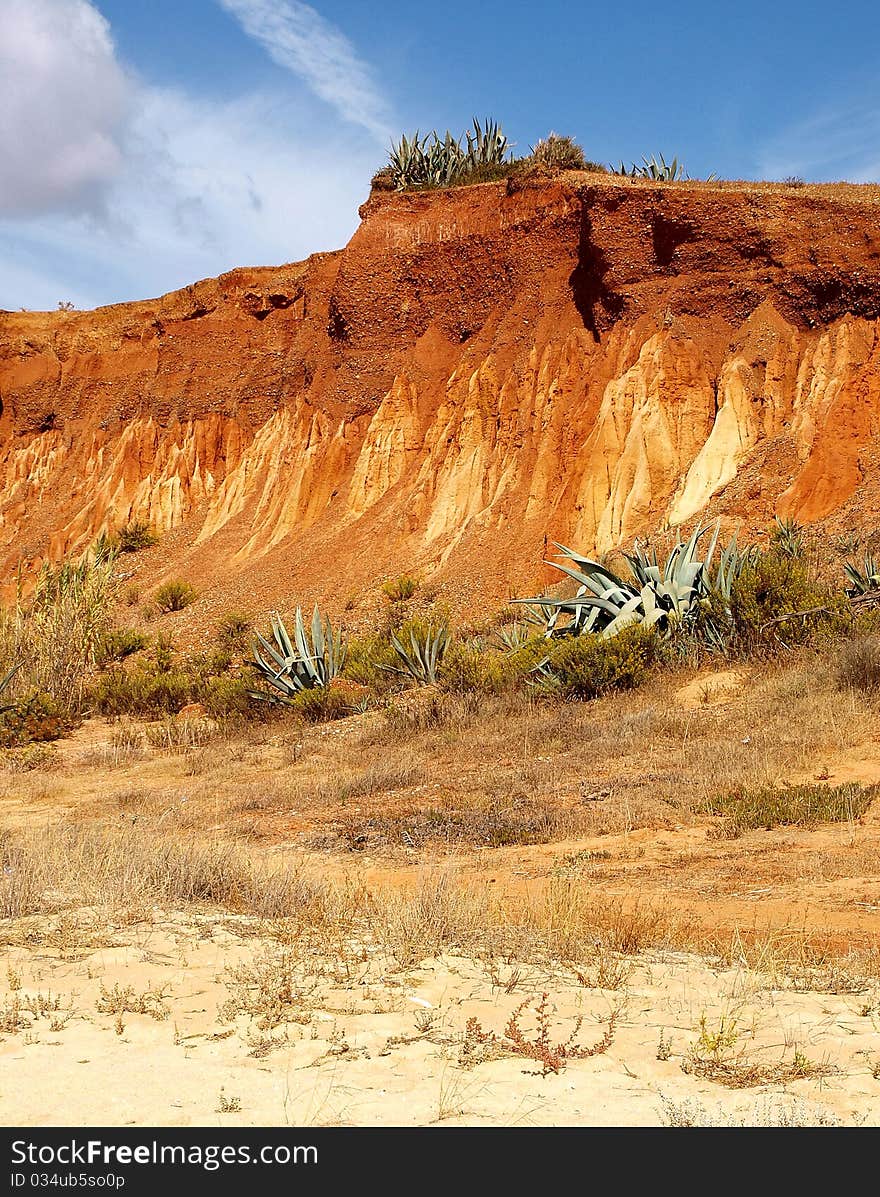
<point>476,371</point>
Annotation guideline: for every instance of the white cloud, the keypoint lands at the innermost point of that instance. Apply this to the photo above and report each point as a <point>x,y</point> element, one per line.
<point>63,105</point>
<point>301,40</point>
<point>194,187</point>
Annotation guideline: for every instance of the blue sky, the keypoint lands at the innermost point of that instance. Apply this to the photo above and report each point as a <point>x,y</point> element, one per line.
<point>145,145</point>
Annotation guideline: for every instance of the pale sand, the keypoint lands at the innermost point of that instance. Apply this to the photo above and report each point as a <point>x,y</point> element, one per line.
<point>383,1046</point>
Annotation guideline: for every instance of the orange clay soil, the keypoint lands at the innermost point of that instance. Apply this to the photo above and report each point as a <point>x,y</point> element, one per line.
<point>586,359</point>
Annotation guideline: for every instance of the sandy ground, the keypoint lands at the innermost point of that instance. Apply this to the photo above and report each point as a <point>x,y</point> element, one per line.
<point>171,1016</point>
<point>393,1048</point>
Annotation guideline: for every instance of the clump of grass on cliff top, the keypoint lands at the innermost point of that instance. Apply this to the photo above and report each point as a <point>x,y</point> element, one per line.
<point>556,152</point>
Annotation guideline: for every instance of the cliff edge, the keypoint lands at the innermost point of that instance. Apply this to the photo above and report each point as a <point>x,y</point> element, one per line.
<point>585,359</point>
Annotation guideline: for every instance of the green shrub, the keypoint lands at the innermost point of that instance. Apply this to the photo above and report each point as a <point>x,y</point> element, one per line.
<point>776,584</point>
<point>227,695</point>
<point>747,809</point>
<point>398,590</point>
<point>157,683</point>
<point>144,691</point>
<point>174,596</point>
<point>469,669</point>
<point>132,538</point>
<point>119,643</point>
<point>321,704</point>
<point>588,666</point>
<point>371,661</point>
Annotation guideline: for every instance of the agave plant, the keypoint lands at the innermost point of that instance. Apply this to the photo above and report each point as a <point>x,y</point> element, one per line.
<point>788,537</point>
<point>486,147</point>
<point>514,635</point>
<point>666,597</point>
<point>444,161</point>
<point>652,168</point>
<point>862,581</point>
<point>420,652</point>
<point>659,170</point>
<point>406,159</point>
<point>432,161</point>
<point>303,663</point>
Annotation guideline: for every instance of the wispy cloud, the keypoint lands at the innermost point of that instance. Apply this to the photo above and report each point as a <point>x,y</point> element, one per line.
<point>829,145</point>
<point>299,39</point>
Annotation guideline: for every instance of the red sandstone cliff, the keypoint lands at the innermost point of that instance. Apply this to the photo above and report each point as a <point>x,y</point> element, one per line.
<point>588,359</point>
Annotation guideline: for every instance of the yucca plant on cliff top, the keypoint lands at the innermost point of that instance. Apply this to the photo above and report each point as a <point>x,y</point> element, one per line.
<point>432,161</point>
<point>290,666</point>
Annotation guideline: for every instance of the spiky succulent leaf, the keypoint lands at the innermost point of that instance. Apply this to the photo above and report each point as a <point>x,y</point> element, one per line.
<point>288,665</point>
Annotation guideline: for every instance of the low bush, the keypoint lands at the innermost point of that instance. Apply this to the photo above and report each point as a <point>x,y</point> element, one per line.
<point>321,704</point>
<point>134,537</point>
<point>143,690</point>
<point>175,595</point>
<point>227,695</point>
<point>774,602</point>
<point>371,661</point>
<point>585,667</point>
<point>467,668</point>
<point>36,719</point>
<point>234,631</point>
<point>398,590</point>
<point>789,806</point>
<point>119,643</point>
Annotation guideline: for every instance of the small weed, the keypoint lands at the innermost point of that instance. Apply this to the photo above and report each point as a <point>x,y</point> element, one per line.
<point>552,1056</point>
<point>228,1105</point>
<point>398,590</point>
<point>126,1000</point>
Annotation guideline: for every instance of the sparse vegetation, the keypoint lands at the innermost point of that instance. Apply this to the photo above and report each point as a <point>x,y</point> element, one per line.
<point>134,537</point>
<point>791,806</point>
<point>175,595</point>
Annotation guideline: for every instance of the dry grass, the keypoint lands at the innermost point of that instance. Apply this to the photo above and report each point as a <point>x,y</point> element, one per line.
<point>170,819</point>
